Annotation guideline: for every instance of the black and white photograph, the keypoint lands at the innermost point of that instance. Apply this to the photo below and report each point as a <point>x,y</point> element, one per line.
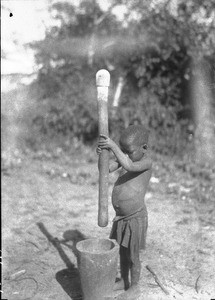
<point>108,149</point>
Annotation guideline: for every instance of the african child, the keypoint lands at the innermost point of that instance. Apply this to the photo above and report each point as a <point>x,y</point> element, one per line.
<point>131,221</point>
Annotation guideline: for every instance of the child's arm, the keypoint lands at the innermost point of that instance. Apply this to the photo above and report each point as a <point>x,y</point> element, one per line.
<point>113,166</point>
<point>124,160</point>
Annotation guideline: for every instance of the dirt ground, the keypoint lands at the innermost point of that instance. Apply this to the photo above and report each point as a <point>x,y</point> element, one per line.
<point>49,203</point>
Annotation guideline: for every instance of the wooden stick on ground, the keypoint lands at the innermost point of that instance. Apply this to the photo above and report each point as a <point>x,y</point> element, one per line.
<point>157,280</point>
<point>196,284</point>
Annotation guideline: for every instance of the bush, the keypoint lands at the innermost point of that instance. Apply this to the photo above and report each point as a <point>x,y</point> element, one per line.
<point>153,54</point>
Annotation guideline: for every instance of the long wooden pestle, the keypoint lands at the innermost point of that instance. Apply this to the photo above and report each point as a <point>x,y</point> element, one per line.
<point>102,83</point>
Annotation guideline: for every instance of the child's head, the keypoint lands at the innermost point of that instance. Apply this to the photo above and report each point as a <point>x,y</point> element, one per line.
<point>133,141</point>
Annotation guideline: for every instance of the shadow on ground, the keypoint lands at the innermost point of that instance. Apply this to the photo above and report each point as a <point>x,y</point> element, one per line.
<point>68,278</point>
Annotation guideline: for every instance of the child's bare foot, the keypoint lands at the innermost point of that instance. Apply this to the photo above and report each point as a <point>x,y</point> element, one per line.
<point>131,294</point>
<point>119,285</point>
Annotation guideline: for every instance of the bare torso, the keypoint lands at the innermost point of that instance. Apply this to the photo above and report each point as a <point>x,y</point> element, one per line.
<point>129,191</point>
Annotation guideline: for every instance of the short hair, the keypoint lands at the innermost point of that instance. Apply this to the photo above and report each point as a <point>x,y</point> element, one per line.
<point>136,134</point>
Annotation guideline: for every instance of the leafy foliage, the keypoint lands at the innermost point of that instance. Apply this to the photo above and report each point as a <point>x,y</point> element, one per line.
<point>152,48</point>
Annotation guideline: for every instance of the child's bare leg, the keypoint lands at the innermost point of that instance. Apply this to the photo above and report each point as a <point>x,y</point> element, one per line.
<point>133,292</point>
<point>124,267</point>
<point>135,271</point>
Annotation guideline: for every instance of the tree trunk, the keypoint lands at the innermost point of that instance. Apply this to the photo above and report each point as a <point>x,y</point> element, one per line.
<point>202,97</point>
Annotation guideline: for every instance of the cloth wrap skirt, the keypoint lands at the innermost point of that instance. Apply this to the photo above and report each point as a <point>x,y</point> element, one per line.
<point>130,231</point>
